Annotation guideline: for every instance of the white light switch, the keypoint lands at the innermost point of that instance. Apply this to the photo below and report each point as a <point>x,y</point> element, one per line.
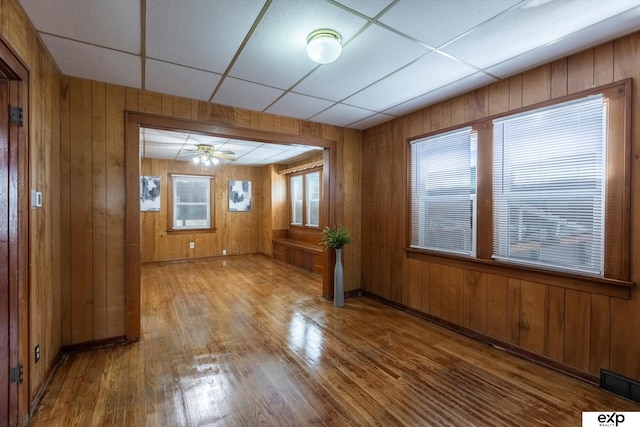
<point>36,199</point>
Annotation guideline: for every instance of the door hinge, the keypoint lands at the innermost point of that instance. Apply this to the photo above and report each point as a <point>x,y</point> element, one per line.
<point>15,115</point>
<point>15,374</point>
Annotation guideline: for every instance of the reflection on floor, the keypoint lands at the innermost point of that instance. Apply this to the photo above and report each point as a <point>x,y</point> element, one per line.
<point>246,341</point>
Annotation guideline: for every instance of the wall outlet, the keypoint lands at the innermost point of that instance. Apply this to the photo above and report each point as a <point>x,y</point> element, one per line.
<point>192,245</point>
<point>36,353</point>
<point>224,252</point>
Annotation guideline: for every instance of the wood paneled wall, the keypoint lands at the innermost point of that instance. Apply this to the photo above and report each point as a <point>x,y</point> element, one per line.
<point>93,192</point>
<point>236,232</point>
<point>579,329</point>
<point>41,301</point>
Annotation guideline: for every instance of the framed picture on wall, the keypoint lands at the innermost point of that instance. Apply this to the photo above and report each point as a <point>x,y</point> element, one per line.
<point>239,196</point>
<point>150,193</point>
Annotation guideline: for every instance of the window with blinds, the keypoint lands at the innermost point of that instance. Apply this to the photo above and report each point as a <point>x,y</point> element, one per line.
<point>443,171</point>
<point>305,190</point>
<point>191,202</point>
<point>548,186</point>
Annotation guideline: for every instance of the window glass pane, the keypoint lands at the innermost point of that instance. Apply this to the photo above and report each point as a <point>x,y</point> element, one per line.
<point>296,199</point>
<point>313,198</point>
<point>548,186</point>
<point>191,204</point>
<point>442,202</point>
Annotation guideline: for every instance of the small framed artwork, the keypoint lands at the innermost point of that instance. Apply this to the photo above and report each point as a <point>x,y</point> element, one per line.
<point>239,196</point>
<point>150,193</point>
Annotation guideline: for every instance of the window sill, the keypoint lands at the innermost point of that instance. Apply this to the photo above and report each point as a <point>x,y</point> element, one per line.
<point>191,231</point>
<point>594,284</point>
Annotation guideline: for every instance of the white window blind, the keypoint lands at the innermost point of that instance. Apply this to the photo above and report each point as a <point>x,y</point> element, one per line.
<point>297,192</point>
<point>191,202</point>
<point>442,199</point>
<point>312,195</point>
<point>548,175</point>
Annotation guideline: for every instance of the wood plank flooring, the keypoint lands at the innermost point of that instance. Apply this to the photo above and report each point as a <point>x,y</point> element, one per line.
<point>246,341</point>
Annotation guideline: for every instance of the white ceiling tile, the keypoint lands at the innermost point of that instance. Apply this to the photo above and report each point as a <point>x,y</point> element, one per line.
<point>426,74</point>
<point>526,27</point>
<point>276,55</point>
<point>243,94</point>
<point>437,22</point>
<point>342,115</point>
<point>461,86</point>
<point>298,106</point>
<point>359,64</point>
<point>181,81</point>
<point>97,63</point>
<point>368,8</point>
<point>595,34</point>
<point>114,23</point>
<point>200,34</point>
<point>373,120</point>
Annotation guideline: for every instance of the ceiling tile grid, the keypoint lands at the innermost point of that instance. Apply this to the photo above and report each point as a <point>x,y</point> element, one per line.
<point>398,55</point>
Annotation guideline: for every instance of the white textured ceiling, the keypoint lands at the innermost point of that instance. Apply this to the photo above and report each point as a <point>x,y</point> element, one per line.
<point>398,55</point>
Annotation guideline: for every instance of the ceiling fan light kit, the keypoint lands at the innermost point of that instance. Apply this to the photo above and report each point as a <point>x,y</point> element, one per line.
<point>324,46</point>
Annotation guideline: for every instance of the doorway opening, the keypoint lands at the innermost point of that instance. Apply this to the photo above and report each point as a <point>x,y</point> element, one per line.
<point>137,123</point>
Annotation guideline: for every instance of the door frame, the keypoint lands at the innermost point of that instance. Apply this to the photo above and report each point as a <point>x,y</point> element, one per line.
<point>17,75</point>
<point>134,121</point>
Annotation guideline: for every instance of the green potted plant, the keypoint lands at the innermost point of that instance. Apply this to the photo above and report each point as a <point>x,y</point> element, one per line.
<point>336,237</point>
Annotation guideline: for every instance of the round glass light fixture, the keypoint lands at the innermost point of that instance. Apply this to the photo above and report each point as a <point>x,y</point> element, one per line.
<point>324,46</point>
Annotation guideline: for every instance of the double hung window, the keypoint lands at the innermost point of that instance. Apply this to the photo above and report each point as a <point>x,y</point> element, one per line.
<point>553,187</point>
<point>548,186</point>
<point>191,199</point>
<point>305,199</point>
<point>443,169</point>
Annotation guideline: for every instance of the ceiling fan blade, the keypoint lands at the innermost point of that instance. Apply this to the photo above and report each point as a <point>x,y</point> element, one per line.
<point>224,156</point>
<point>223,152</point>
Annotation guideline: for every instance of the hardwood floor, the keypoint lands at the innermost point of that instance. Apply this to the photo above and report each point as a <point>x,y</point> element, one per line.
<point>243,341</point>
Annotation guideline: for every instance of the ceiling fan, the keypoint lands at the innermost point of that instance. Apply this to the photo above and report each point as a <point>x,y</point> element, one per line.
<point>208,155</point>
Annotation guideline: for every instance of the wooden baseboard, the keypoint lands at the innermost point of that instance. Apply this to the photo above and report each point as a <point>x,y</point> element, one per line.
<point>82,347</point>
<point>510,348</point>
<point>35,401</point>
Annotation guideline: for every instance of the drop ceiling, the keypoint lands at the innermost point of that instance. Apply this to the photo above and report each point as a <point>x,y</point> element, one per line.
<point>398,55</point>
<point>182,146</point>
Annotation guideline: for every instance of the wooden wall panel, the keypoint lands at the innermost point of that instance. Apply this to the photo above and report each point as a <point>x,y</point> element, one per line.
<point>533,316</point>
<point>43,315</point>
<point>555,337</point>
<point>578,328</point>
<point>497,306</point>
<point>236,232</point>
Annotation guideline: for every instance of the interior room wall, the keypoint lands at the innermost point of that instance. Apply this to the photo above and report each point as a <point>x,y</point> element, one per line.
<point>236,232</point>
<point>43,294</point>
<point>93,196</point>
<point>579,329</point>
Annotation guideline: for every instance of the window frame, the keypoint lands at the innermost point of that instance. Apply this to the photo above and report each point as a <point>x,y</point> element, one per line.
<point>616,272</point>
<point>304,174</point>
<point>171,202</point>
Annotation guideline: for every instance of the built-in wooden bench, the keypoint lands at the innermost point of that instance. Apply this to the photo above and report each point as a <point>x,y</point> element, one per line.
<point>303,254</point>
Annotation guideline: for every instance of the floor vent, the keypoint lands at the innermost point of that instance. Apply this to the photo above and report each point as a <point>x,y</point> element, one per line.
<point>623,386</point>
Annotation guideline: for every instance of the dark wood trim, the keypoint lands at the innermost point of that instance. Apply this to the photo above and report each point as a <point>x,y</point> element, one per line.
<point>93,345</point>
<point>17,75</point>
<point>513,349</point>
<point>35,401</point>
<point>133,122</point>
<point>212,205</point>
<point>595,284</point>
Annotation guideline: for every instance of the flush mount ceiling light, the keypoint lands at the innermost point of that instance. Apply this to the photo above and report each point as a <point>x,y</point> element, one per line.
<point>323,46</point>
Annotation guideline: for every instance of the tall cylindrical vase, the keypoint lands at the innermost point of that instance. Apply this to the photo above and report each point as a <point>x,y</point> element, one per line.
<point>338,281</point>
